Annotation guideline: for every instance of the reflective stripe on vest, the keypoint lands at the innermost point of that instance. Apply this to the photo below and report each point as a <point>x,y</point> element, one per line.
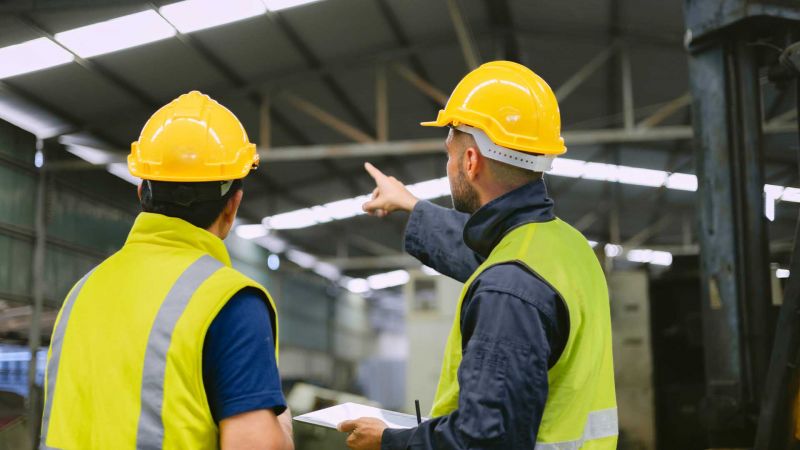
<point>55,356</point>
<point>150,432</point>
<point>600,424</point>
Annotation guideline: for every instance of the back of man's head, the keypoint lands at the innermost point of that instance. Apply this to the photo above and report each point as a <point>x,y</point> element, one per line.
<point>508,176</point>
<point>197,203</point>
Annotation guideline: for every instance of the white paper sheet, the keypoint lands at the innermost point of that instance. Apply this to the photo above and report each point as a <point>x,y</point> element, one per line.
<point>333,416</point>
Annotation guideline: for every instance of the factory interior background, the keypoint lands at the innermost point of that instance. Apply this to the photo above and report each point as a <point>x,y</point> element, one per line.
<point>680,119</point>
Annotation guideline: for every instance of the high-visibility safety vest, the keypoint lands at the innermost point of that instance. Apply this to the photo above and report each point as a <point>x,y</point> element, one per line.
<point>581,407</point>
<point>124,369</point>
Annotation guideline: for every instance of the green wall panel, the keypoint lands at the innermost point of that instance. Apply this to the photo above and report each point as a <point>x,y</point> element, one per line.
<point>63,268</point>
<point>16,143</point>
<point>17,196</point>
<point>15,265</point>
<point>86,222</point>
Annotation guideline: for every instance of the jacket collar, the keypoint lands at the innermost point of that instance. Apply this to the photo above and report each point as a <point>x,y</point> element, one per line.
<point>526,204</point>
<point>161,230</point>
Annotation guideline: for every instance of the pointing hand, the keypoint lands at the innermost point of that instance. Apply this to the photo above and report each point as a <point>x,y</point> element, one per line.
<point>389,195</point>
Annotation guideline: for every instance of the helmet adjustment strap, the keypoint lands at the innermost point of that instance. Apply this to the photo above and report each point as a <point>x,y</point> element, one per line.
<point>536,163</point>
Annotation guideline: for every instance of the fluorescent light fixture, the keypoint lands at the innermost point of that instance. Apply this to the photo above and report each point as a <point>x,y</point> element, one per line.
<point>641,177</point>
<point>612,250</point>
<point>31,56</point>
<point>357,285</point>
<point>782,273</point>
<point>570,168</point>
<point>273,262</point>
<point>272,243</point>
<point>35,122</point>
<point>682,182</point>
<point>327,270</point>
<point>429,271</point>
<point>90,154</point>
<point>121,170</point>
<point>427,190</point>
<point>600,171</point>
<point>791,194</point>
<point>648,256</point>
<point>302,259</point>
<point>388,279</point>
<point>565,167</point>
<point>193,15</point>
<point>117,34</point>
<point>277,5</point>
<point>772,194</point>
<point>250,231</point>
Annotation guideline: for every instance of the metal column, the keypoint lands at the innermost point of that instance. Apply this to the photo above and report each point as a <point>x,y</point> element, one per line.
<point>723,38</point>
<point>733,234</point>
<point>35,397</point>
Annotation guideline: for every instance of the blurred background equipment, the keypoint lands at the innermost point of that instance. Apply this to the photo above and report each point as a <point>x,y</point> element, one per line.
<point>680,119</point>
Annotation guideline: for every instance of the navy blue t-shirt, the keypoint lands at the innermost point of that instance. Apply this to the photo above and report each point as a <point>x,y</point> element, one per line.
<point>240,373</point>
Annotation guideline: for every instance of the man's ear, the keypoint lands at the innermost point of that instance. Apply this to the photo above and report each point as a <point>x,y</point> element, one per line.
<point>472,162</point>
<point>139,190</point>
<point>233,204</point>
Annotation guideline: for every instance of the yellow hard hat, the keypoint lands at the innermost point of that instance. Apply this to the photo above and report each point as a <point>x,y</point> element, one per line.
<point>514,107</point>
<point>192,139</point>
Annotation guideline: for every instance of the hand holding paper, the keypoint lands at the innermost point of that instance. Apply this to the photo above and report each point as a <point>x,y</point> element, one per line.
<point>364,433</point>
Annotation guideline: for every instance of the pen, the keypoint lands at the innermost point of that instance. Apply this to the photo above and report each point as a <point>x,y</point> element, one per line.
<point>419,416</point>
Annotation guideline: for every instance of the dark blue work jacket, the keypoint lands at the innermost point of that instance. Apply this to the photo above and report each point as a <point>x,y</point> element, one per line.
<point>507,308</point>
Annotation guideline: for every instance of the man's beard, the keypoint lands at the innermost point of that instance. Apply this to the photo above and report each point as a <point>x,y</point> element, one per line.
<point>465,197</point>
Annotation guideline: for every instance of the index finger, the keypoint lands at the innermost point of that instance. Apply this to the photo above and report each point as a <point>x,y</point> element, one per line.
<point>374,172</point>
<point>347,426</point>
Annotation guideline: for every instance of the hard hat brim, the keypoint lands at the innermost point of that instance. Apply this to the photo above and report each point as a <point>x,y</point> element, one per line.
<point>434,123</point>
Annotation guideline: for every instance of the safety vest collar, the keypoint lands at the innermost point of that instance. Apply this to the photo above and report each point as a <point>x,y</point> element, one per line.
<point>494,220</point>
<point>158,229</point>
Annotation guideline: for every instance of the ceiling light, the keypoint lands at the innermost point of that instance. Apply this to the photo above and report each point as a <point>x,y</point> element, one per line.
<point>427,190</point>
<point>31,56</point>
<point>302,259</point>
<point>272,243</point>
<point>791,194</point>
<point>90,154</point>
<point>273,262</point>
<point>356,285</point>
<point>277,5</point>
<point>327,270</point>
<point>429,271</point>
<point>782,273</point>
<point>682,182</point>
<point>121,170</point>
<point>565,167</point>
<point>388,279</point>
<point>612,250</point>
<point>116,34</point>
<point>648,256</point>
<point>38,123</point>
<point>641,177</point>
<point>193,15</point>
<point>250,231</point>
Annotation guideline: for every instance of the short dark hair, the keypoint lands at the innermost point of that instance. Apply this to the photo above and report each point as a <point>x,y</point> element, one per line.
<point>197,203</point>
<point>510,176</point>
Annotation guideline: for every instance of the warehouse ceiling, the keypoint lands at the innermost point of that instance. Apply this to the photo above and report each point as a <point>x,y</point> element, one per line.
<point>316,68</point>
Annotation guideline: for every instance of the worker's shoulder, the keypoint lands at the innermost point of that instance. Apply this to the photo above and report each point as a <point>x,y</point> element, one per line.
<point>233,275</point>
<point>514,279</point>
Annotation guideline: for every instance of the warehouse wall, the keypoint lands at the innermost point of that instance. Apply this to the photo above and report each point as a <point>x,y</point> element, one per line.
<point>84,224</point>
<point>80,229</point>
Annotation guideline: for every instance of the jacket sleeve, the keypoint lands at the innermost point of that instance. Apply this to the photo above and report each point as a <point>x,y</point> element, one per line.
<point>503,373</point>
<point>434,235</point>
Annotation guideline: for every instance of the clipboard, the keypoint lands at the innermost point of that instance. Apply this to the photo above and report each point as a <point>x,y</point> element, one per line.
<point>333,416</point>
